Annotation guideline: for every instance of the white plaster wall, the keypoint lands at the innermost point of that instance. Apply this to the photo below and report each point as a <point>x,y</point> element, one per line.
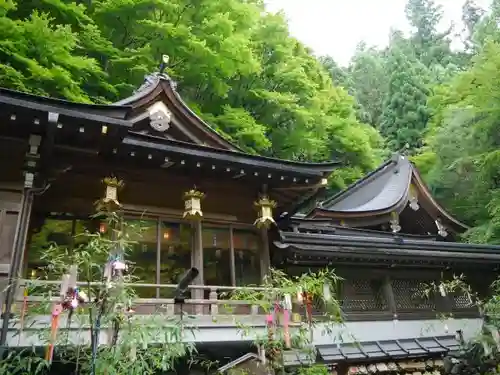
<point>206,329</point>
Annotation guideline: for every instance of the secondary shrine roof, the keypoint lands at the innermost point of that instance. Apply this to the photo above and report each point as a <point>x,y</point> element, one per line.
<point>319,242</point>
<point>388,189</point>
<point>389,349</point>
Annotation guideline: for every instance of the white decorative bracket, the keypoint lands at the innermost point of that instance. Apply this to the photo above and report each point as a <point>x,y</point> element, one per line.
<point>441,228</point>
<point>413,198</point>
<point>394,222</point>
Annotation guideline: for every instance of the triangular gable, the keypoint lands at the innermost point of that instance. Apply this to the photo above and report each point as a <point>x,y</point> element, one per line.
<point>159,110</point>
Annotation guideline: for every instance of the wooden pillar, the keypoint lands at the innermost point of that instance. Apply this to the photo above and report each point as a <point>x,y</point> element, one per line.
<point>20,237</point>
<point>10,207</point>
<point>265,256</point>
<point>197,261</point>
<point>389,296</point>
<point>158,254</point>
<point>232,265</point>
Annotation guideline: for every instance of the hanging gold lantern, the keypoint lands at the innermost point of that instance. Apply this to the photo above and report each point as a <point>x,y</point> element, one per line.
<point>265,207</point>
<point>192,205</point>
<point>110,200</point>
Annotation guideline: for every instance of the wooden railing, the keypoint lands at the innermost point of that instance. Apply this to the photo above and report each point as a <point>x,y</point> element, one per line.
<point>217,303</point>
<point>210,300</point>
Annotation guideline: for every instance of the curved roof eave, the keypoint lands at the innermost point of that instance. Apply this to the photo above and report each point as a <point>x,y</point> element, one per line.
<point>113,111</point>
<point>139,139</point>
<point>428,195</point>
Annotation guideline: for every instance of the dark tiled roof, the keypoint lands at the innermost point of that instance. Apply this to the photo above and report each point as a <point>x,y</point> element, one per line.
<point>379,190</point>
<point>298,358</point>
<point>237,361</point>
<point>388,349</point>
<point>349,246</point>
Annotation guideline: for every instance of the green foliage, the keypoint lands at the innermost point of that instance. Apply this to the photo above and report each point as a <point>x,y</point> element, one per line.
<point>236,64</point>
<point>24,362</point>
<point>139,344</point>
<point>405,113</point>
<point>274,289</point>
<point>481,354</point>
<point>463,142</point>
<point>314,370</point>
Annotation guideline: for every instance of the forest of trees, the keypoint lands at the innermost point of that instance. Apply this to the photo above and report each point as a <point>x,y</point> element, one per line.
<point>240,69</point>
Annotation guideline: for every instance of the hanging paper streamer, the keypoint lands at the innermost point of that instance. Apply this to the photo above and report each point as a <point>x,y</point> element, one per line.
<point>56,312</point>
<point>308,299</point>
<point>71,298</point>
<point>442,290</point>
<point>25,307</point>
<point>300,296</point>
<point>327,294</point>
<point>287,308</point>
<point>270,333</point>
<point>23,313</point>
<point>73,276</point>
<point>64,285</point>
<point>308,306</point>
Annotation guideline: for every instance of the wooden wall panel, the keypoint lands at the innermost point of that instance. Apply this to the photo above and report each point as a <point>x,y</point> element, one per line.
<point>10,202</point>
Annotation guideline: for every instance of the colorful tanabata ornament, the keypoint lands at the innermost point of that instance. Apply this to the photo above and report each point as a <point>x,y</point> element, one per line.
<point>287,309</point>
<point>56,312</point>
<point>71,298</point>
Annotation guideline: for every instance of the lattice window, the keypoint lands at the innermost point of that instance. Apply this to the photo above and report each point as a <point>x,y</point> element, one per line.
<point>461,301</point>
<point>408,295</point>
<point>362,295</point>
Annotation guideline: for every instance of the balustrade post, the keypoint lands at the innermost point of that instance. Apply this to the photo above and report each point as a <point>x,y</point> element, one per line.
<point>214,307</point>
<point>389,296</point>
<point>170,309</point>
<point>255,310</point>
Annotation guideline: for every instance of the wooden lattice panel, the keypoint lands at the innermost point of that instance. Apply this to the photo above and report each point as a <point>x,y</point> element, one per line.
<point>408,295</point>
<point>362,295</point>
<point>461,301</point>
